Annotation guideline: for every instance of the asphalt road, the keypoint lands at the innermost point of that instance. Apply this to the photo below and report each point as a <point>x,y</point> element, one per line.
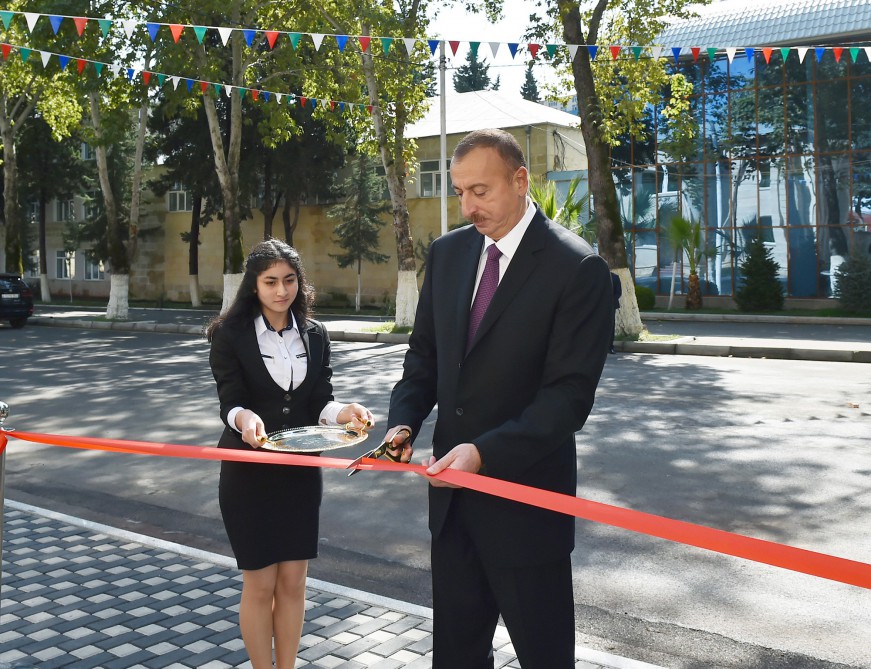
<point>773,449</point>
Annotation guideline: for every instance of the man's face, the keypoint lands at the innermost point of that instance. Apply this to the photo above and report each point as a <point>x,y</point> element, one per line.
<point>492,196</point>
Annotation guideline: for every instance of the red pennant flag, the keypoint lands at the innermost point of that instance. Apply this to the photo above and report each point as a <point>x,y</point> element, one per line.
<point>696,50</point>
<point>837,50</point>
<point>176,31</point>
<point>533,49</point>
<point>80,22</point>
<point>255,93</point>
<point>302,101</point>
<point>364,43</point>
<point>81,64</point>
<point>369,108</point>
<point>271,36</point>
<point>454,46</point>
<point>204,85</point>
<point>6,49</point>
<point>146,77</point>
<point>615,51</point>
<point>766,51</point>
<point>332,105</point>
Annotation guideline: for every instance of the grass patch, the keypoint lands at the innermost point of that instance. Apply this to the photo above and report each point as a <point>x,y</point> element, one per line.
<point>389,327</point>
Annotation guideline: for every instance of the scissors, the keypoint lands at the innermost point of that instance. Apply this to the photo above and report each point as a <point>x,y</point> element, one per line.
<point>379,451</point>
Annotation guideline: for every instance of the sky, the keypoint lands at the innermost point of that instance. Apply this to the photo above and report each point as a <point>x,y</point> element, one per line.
<point>454,23</point>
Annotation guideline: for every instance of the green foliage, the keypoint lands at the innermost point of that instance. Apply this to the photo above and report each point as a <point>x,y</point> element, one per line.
<point>574,215</point>
<point>645,297</point>
<point>529,90</point>
<point>760,290</point>
<point>686,235</point>
<point>853,288</point>
<point>473,76</point>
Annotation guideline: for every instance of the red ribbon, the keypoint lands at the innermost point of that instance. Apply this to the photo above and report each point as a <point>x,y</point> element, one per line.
<point>720,541</point>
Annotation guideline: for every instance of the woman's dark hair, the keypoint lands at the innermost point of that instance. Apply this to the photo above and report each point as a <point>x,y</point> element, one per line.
<point>246,305</point>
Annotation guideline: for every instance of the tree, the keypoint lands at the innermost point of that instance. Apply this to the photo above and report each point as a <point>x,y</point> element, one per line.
<point>529,90</point>
<point>473,76</point>
<point>761,289</point>
<point>573,215</point>
<point>853,282</point>
<point>360,215</point>
<point>685,236</point>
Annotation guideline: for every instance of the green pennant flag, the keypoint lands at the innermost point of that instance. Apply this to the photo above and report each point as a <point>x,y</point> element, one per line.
<point>200,32</point>
<point>241,92</point>
<point>161,78</point>
<point>474,47</point>
<point>25,54</point>
<point>105,26</point>
<point>636,51</point>
<point>551,49</point>
<point>386,42</point>
<point>854,53</point>
<point>294,40</point>
<point>217,88</point>
<point>784,53</point>
<point>7,18</point>
<point>712,53</point>
<point>98,67</point>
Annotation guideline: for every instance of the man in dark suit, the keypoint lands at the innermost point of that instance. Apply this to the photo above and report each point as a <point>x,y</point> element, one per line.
<point>511,394</point>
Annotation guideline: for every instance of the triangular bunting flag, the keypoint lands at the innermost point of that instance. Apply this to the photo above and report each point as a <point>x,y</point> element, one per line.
<point>433,45</point>
<point>837,50</point>
<point>63,61</point>
<point>820,51</point>
<point>161,78</point>
<point>750,52</point>
<point>364,42</point>
<point>130,73</point>
<point>55,22</point>
<point>494,48</point>
<point>317,38</point>
<point>302,101</point>
<point>31,19</point>
<point>784,53</point>
<point>675,51</point>
<point>217,88</point>
<point>386,42</point>
<point>6,15</point>
<point>341,41</point>
<point>81,22</point>
<point>551,50</point>
<point>255,94</point>
<point>712,53</point>
<point>314,102</point>
<point>695,51</point>
<point>854,53</point>
<point>241,92</point>
<point>271,36</point>
<point>129,27</point>
<point>802,52</point>
<point>5,49</point>
<point>46,56</point>
<point>224,34</point>
<point>228,90</point>
<point>24,53</point>
<point>99,68</point>
<point>593,50</point>
<point>867,52</point>
<point>266,96</point>
<point>80,64</point>
<point>341,107</point>
<point>294,40</point>
<point>409,44</point>
<point>152,30</point>
<point>730,53</point>
<point>190,83</point>
<point>766,52</point>
<point>249,36</point>
<point>615,51</point>
<point>369,108</point>
<point>117,69</point>
<point>278,97</point>
<point>200,32</point>
<point>573,51</point>
<point>473,46</point>
<point>327,103</point>
<point>174,81</point>
<point>454,46</point>
<point>146,77</point>
<point>512,48</point>
<point>656,52</point>
<point>636,51</point>
<point>105,26</point>
<point>533,49</point>
<point>176,31</point>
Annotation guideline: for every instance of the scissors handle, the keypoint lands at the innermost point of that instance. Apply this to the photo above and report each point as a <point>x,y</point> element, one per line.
<point>380,451</point>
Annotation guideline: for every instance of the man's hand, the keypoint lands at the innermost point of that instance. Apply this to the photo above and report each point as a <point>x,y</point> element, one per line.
<point>400,439</point>
<point>464,457</point>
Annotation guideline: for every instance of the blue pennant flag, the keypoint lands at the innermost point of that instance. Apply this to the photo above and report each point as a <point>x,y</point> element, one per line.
<point>55,22</point>
<point>750,51</point>
<point>512,47</point>
<point>190,85</point>
<point>249,36</point>
<point>675,51</point>
<point>593,49</point>
<point>266,96</point>
<point>130,73</point>
<point>152,30</point>
<point>341,107</point>
<point>433,45</point>
<point>63,61</point>
<point>820,50</point>
<point>341,40</point>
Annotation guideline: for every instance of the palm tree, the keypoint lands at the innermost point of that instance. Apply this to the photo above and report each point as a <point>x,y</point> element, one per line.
<point>575,209</point>
<point>686,235</point>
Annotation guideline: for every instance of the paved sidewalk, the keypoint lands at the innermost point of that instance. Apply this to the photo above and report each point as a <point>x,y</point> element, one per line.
<point>79,594</point>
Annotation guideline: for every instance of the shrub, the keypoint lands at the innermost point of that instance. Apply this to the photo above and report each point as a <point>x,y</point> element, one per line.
<point>761,289</point>
<point>853,288</point>
<point>645,297</point>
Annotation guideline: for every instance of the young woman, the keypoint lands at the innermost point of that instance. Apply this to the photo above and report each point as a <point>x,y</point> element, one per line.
<point>271,363</point>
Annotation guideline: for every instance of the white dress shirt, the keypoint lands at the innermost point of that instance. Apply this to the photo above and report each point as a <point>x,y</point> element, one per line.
<point>507,245</point>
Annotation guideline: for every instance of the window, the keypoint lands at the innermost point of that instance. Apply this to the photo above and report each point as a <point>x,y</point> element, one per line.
<point>66,210</point>
<point>764,173</point>
<point>33,265</point>
<point>180,199</point>
<point>88,152</point>
<point>430,179</point>
<point>65,264</point>
<point>93,269</point>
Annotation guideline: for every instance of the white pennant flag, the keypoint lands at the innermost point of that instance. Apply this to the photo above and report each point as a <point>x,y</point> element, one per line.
<point>802,52</point>
<point>278,97</point>
<point>318,39</point>
<point>174,81</point>
<point>116,69</point>
<point>46,56</point>
<point>573,51</point>
<point>494,47</point>
<point>31,20</point>
<point>228,90</point>
<point>409,44</point>
<point>730,52</point>
<point>868,52</point>
<point>225,34</point>
<point>656,52</point>
<point>129,25</point>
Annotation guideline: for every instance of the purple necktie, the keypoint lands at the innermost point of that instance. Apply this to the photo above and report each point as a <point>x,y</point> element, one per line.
<point>486,288</point>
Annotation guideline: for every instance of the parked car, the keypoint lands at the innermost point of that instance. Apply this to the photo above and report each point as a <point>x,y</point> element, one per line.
<point>16,300</point>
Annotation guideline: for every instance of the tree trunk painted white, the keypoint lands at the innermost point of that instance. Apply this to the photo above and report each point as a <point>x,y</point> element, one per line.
<point>671,290</point>
<point>359,287</point>
<point>406,298</point>
<point>44,290</point>
<point>628,318</point>
<point>119,294</point>
<point>231,287</point>
<point>194,288</point>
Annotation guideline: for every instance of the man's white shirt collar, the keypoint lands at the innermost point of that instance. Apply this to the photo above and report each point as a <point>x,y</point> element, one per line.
<point>509,243</point>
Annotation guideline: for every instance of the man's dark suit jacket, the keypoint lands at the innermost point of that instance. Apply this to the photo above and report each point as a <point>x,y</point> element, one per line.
<point>525,387</point>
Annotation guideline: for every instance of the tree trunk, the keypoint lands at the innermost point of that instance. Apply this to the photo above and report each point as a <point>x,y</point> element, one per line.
<point>290,223</point>
<point>694,293</point>
<point>11,210</point>
<point>44,290</point>
<point>194,251</point>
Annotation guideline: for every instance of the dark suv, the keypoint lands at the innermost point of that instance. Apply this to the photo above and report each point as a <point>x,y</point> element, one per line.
<point>16,300</point>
